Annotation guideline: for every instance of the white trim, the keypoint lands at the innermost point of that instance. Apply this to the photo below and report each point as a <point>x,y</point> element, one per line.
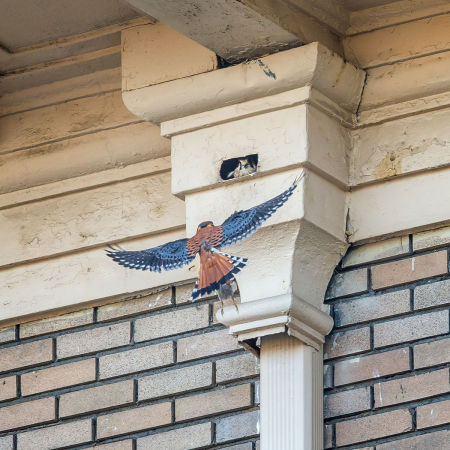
<point>272,315</point>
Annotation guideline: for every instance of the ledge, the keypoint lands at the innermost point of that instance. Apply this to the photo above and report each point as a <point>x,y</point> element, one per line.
<point>311,65</point>
<point>273,315</point>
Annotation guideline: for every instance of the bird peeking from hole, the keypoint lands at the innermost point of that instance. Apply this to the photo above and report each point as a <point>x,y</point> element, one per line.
<point>217,268</point>
<point>245,166</point>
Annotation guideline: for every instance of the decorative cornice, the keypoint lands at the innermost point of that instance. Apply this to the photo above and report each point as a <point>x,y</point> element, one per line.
<point>274,315</point>
<point>311,65</point>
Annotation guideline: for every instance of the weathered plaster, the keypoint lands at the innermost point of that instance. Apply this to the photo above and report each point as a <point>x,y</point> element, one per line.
<point>84,219</point>
<point>404,146</point>
<point>60,121</point>
<point>399,42</point>
<point>81,155</point>
<point>79,278</point>
<point>177,56</point>
<point>243,32</point>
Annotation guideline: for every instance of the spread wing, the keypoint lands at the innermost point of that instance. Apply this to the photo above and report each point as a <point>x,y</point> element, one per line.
<point>168,256</point>
<point>242,224</point>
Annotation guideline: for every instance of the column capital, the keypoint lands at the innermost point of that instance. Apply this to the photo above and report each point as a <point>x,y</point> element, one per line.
<point>273,315</point>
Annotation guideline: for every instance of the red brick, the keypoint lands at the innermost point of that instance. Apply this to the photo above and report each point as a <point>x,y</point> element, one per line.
<point>373,427</point>
<point>135,419</point>
<point>433,414</point>
<point>429,441</point>
<point>410,328</point>
<point>435,293</point>
<point>173,322</point>
<point>179,439</point>
<point>175,381</point>
<point>372,366</point>
<point>57,436</point>
<point>237,426</point>
<point>347,402</point>
<point>58,377</point>
<point>206,344</point>
<point>412,388</point>
<point>432,353</point>
<point>8,388</point>
<point>26,355</point>
<point>408,270</point>
<point>213,402</point>
<point>136,360</point>
<point>343,343</point>
<point>370,308</point>
<point>27,413</point>
<point>91,341</point>
<point>52,324</point>
<point>352,282</point>
<point>134,306</point>
<point>96,399</point>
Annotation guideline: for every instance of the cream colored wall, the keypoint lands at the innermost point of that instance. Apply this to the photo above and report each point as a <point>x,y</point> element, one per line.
<point>78,171</point>
<point>404,112</point>
<point>400,158</point>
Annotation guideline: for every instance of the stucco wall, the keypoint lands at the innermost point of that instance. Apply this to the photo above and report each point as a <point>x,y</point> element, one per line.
<point>78,171</point>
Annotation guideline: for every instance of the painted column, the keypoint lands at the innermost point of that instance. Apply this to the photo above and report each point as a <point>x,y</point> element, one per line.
<point>291,394</point>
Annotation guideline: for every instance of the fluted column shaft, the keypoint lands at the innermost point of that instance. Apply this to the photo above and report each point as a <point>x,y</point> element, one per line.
<point>291,394</point>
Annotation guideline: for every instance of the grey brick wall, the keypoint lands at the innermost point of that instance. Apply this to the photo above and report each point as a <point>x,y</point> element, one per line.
<point>387,359</point>
<point>149,372</point>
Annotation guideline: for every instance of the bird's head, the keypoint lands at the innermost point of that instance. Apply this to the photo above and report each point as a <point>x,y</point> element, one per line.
<point>243,163</point>
<point>205,225</point>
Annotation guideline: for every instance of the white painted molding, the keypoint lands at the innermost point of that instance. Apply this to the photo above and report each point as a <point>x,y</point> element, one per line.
<point>291,394</point>
<point>311,65</point>
<point>409,203</point>
<point>281,314</point>
<point>84,182</point>
<point>393,13</point>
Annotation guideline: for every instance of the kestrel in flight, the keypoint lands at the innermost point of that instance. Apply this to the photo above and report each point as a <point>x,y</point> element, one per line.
<point>217,268</point>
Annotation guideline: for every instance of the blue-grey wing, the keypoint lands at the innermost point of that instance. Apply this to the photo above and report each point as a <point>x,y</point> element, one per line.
<point>242,224</point>
<point>168,256</point>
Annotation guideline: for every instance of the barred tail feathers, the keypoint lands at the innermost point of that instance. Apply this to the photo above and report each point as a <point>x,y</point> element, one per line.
<point>216,268</point>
